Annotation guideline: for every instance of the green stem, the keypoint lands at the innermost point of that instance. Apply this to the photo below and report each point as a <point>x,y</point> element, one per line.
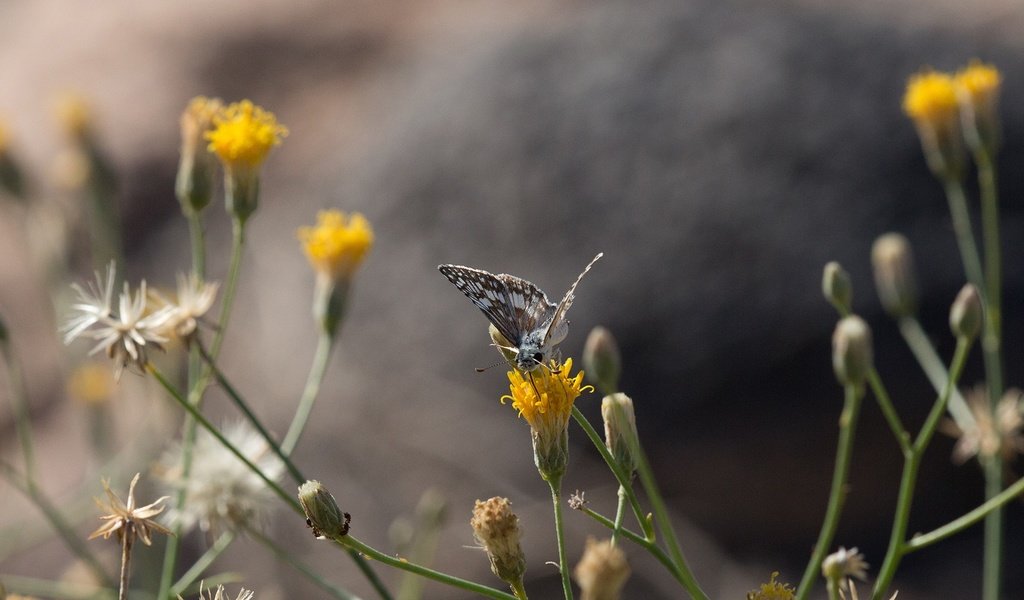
<point>353,544</point>
<point>19,405</point>
<point>518,590</point>
<point>992,556</point>
<point>833,589</point>
<point>911,463</point>
<point>621,476</point>
<point>192,410</point>
<point>620,512</point>
<point>964,234</point>
<point>921,346</point>
<point>56,519</point>
<point>923,540</point>
<point>563,563</point>
<point>201,564</point>
<point>195,231</point>
<point>837,495</point>
<point>309,393</point>
<point>648,545</point>
<point>334,590</point>
<point>244,407</point>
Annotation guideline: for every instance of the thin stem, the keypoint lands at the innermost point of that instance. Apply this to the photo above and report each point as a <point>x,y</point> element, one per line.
<point>833,589</point>
<point>192,410</point>
<point>244,407</point>
<point>128,536</point>
<point>201,564</point>
<point>563,563</point>
<point>923,540</point>
<point>620,512</point>
<point>518,589</point>
<point>911,463</point>
<point>195,231</point>
<point>309,393</point>
<point>652,548</point>
<point>964,234</point>
<point>56,520</point>
<point>353,544</point>
<point>19,406</point>
<point>620,475</point>
<point>663,522</point>
<point>837,496</point>
<point>992,555</point>
<point>921,346</point>
<point>334,590</point>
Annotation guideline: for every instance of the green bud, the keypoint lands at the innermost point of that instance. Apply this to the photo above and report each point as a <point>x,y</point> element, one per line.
<point>851,351</point>
<point>836,286</point>
<point>620,434</point>
<point>602,361</point>
<point>893,264</point>
<point>966,313</point>
<point>322,513</point>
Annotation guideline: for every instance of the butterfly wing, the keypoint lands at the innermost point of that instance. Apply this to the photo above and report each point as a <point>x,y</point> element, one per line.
<point>530,305</point>
<point>490,294</point>
<point>558,327</point>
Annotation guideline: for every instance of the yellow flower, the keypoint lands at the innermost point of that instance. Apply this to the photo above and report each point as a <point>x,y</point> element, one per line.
<point>544,397</point>
<point>931,101</point>
<point>244,134</point>
<point>980,81</point>
<point>931,97</point>
<point>337,244</point>
<point>978,88</point>
<point>773,590</point>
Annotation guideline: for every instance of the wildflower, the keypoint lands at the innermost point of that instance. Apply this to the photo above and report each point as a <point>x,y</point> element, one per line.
<point>836,287</point>
<point>842,564</point>
<point>221,491</point>
<point>335,247</point>
<point>851,351</point>
<point>773,590</point>
<point>620,434</point>
<point>220,594</point>
<point>125,519</point>
<point>194,298</point>
<point>577,500</point>
<point>978,87</point>
<point>602,360</point>
<point>544,398</point>
<point>602,571</point>
<point>124,335</point>
<point>1002,433</point>
<point>496,529</point>
<point>931,102</point>
<point>965,314</point>
<point>194,183</point>
<point>91,384</point>
<point>242,136</point>
<point>322,513</point>
<point>893,265</point>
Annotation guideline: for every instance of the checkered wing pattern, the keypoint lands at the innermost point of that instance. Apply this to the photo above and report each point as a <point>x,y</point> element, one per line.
<point>558,326</point>
<point>491,295</point>
<point>530,305</point>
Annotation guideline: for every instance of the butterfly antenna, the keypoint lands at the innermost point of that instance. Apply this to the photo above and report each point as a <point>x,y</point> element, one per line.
<point>489,367</point>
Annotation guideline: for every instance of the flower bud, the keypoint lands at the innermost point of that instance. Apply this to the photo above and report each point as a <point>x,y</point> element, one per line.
<point>893,264</point>
<point>496,529</point>
<point>602,361</point>
<point>836,286</point>
<point>851,351</point>
<point>620,430</point>
<point>602,571</point>
<point>966,313</point>
<point>194,183</point>
<point>322,513</point>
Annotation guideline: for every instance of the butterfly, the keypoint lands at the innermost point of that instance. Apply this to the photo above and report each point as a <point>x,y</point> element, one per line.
<point>519,310</point>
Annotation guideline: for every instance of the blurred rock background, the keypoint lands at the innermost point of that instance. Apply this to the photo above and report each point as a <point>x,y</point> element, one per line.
<point>719,153</point>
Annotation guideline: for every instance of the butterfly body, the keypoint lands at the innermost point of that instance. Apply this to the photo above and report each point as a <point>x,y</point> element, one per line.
<point>530,323</point>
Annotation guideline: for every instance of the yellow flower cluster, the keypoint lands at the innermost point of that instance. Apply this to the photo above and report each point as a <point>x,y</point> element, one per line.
<point>931,98</point>
<point>338,243</point>
<point>244,134</point>
<point>545,397</point>
<point>773,590</point>
<point>980,83</point>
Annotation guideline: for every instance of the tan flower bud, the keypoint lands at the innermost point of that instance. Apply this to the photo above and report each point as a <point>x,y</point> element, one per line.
<point>893,264</point>
<point>496,529</point>
<point>602,571</point>
<point>602,361</point>
<point>966,313</point>
<point>851,351</point>
<point>322,513</point>
<point>836,286</point>
<point>620,430</point>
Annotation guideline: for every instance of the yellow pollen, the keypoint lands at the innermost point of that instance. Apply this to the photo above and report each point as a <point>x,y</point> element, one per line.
<point>244,134</point>
<point>545,397</point>
<point>338,243</point>
<point>931,98</point>
<point>980,81</point>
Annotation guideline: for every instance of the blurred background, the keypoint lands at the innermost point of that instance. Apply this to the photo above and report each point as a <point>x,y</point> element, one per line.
<point>718,153</point>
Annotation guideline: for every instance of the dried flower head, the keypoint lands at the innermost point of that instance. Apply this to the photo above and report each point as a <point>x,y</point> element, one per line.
<point>194,183</point>
<point>545,398</point>
<point>220,594</point>
<point>125,334</point>
<point>194,299</point>
<point>577,500</point>
<point>496,529</point>
<point>773,590</point>
<point>1003,434</point>
<point>221,492</point>
<point>602,571</point>
<point>844,563</point>
<point>125,519</point>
